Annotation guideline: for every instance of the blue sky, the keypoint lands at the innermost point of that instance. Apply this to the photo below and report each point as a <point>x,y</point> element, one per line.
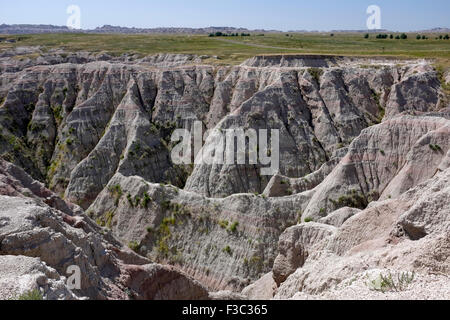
<point>397,15</point>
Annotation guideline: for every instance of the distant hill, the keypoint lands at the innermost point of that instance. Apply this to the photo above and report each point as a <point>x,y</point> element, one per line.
<point>436,30</point>
<point>31,29</point>
<point>46,28</point>
<point>207,30</point>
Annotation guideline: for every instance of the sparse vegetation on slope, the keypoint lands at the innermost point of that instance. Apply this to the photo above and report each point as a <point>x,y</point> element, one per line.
<point>31,295</point>
<point>389,282</point>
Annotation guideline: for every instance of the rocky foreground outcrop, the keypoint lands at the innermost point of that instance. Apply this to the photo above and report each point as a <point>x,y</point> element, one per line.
<point>39,244</point>
<point>87,178</point>
<point>409,235</point>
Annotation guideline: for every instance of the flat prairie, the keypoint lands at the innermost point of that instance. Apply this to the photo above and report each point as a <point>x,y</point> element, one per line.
<point>234,50</point>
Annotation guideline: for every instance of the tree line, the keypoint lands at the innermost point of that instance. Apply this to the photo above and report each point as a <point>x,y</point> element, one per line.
<point>221,34</point>
<point>404,36</point>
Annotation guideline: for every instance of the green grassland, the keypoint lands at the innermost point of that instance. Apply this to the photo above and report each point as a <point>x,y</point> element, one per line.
<point>234,50</point>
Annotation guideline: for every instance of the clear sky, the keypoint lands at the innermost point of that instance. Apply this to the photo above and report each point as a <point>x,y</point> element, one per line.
<point>397,15</point>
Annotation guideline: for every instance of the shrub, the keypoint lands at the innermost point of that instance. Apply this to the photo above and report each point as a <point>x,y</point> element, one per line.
<point>322,211</point>
<point>382,113</point>
<point>57,113</point>
<point>137,201</point>
<point>366,36</point>
<point>169,221</point>
<point>116,191</point>
<point>163,248</point>
<point>134,245</point>
<point>316,73</point>
<point>255,263</point>
<point>228,250</point>
<point>354,199</point>
<point>435,147</point>
<point>388,283</point>
<point>109,216</point>
<point>130,200</point>
<point>146,200</point>
<point>31,295</point>
<point>105,220</point>
<point>233,227</point>
<point>223,224</point>
<point>403,36</point>
<point>307,220</point>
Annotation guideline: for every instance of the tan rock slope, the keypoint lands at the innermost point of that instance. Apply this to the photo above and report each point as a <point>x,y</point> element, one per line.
<point>39,243</point>
<point>393,237</point>
<point>86,177</point>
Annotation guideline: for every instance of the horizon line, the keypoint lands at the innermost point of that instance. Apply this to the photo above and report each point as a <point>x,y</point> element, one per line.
<point>220,27</point>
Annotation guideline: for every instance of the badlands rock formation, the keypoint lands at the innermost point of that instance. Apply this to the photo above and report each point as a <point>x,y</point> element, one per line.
<point>87,178</point>
<point>39,243</point>
<point>405,235</point>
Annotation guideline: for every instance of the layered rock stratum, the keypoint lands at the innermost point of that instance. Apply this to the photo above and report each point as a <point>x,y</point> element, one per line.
<point>87,178</point>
